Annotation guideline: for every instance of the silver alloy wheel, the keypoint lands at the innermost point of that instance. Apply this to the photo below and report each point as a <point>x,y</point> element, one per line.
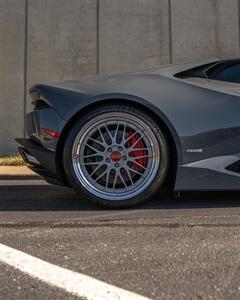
<point>116,156</point>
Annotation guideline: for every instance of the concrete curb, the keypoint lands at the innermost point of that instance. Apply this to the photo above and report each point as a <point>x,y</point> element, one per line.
<point>17,173</point>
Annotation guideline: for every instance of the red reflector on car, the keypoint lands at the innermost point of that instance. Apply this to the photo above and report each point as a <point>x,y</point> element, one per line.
<point>51,133</point>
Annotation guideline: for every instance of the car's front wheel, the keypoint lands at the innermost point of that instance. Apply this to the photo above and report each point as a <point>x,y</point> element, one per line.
<point>116,155</point>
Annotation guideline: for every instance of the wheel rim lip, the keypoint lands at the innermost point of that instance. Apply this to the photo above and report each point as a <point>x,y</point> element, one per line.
<point>116,194</point>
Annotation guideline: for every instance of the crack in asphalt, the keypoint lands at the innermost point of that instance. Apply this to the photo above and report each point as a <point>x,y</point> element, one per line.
<point>104,223</point>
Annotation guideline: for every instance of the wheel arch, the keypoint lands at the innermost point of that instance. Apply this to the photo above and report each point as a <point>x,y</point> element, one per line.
<point>163,122</point>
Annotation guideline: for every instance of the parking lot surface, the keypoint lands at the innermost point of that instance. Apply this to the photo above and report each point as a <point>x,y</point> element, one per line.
<point>187,248</point>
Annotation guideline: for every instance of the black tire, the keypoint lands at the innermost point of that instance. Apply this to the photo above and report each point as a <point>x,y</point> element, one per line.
<point>70,166</point>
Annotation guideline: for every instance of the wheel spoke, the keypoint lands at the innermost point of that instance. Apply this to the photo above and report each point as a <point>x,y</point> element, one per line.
<point>129,175</point>
<point>123,181</point>
<point>102,137</point>
<point>129,138</point>
<point>124,132</point>
<point>139,157</point>
<point>135,171</point>
<point>115,180</point>
<point>94,149</point>
<point>137,163</point>
<point>129,150</point>
<point>136,142</point>
<point>98,142</point>
<point>132,135</point>
<point>95,170</point>
<point>109,133</point>
<point>100,176</point>
<point>93,155</point>
<point>116,132</point>
<point>107,178</point>
<point>91,163</point>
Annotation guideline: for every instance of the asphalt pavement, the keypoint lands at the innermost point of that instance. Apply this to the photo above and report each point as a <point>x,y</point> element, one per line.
<point>186,248</point>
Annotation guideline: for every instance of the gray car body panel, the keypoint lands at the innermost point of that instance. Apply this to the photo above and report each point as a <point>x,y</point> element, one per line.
<point>202,116</point>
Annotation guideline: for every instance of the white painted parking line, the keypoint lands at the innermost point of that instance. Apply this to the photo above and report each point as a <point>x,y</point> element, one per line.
<point>72,282</point>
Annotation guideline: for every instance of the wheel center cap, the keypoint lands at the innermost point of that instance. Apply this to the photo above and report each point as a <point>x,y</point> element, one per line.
<point>116,156</point>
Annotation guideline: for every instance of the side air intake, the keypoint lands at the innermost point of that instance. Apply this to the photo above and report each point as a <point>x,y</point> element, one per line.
<point>235,167</point>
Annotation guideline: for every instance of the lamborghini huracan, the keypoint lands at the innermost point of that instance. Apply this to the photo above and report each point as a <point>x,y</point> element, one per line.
<point>120,139</point>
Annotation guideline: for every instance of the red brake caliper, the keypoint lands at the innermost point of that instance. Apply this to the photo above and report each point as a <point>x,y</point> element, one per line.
<point>137,153</point>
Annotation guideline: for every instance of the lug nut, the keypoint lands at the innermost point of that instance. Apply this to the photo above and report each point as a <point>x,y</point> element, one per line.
<point>124,158</point>
<point>120,148</point>
<point>109,150</point>
<point>116,165</point>
<point>107,160</point>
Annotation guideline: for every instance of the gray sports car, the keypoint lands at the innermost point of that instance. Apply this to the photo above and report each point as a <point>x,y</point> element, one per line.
<point>117,140</point>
